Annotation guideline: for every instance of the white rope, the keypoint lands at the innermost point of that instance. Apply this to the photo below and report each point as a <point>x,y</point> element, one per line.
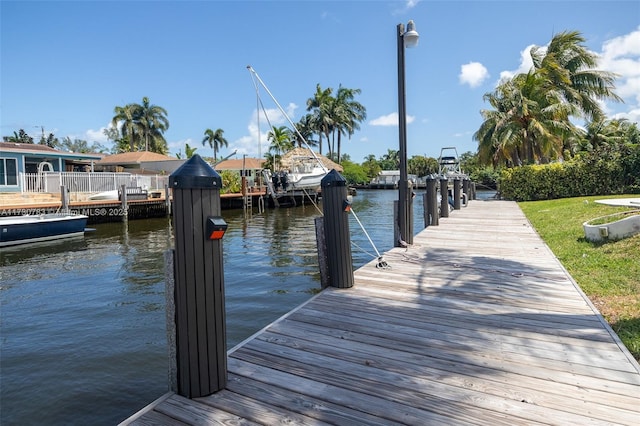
<point>381,263</point>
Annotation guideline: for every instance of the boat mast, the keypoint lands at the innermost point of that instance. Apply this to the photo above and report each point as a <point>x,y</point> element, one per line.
<point>251,70</point>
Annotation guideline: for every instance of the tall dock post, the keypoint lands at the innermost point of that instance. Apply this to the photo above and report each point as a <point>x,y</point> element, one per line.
<point>466,190</point>
<point>431,203</point>
<point>167,199</point>
<point>335,208</point>
<point>64,198</point>
<point>123,202</point>
<point>456,193</point>
<point>200,330</point>
<point>444,192</point>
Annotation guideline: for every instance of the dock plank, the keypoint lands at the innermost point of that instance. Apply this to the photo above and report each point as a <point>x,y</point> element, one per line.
<point>475,323</point>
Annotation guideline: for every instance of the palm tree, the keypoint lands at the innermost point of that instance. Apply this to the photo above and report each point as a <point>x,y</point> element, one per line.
<point>567,66</point>
<point>127,117</point>
<point>189,151</point>
<point>215,139</point>
<point>153,123</point>
<point>390,160</point>
<point>304,127</point>
<point>371,166</point>
<point>531,117</point>
<point>280,138</point>
<point>319,104</point>
<point>347,113</point>
<point>19,137</point>
<point>603,132</point>
<point>528,123</point>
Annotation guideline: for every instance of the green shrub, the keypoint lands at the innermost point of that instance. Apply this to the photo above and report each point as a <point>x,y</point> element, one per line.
<point>231,182</point>
<point>607,170</point>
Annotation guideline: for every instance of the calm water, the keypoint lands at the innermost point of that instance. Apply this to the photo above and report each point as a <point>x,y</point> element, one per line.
<point>83,338</point>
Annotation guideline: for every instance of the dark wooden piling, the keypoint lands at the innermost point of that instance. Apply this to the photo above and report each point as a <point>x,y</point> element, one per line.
<point>167,199</point>
<point>322,252</point>
<point>457,183</point>
<point>199,281</point>
<point>123,202</point>
<point>466,190</point>
<point>431,203</point>
<point>64,198</point>
<point>336,230</point>
<point>444,193</point>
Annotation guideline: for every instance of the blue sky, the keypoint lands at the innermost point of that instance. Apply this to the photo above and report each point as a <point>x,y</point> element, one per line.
<point>65,65</point>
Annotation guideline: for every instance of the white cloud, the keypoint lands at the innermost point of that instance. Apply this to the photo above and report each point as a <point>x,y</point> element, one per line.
<point>258,130</point>
<point>96,135</point>
<point>410,4</point>
<point>526,63</point>
<point>390,120</point>
<point>632,115</point>
<point>406,6</point>
<point>621,55</point>
<point>473,74</point>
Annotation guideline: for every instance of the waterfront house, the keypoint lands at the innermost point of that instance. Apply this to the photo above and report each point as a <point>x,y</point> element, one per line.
<point>16,159</point>
<point>139,162</point>
<point>249,167</point>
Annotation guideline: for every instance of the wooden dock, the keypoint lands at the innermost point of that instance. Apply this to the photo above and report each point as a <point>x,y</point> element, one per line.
<point>112,210</point>
<point>476,323</point>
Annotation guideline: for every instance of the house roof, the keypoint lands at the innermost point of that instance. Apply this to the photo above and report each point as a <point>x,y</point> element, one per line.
<point>287,159</point>
<point>43,150</point>
<point>134,158</point>
<point>236,164</point>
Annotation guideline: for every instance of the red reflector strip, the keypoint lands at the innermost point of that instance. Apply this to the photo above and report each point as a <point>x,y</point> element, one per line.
<point>216,235</point>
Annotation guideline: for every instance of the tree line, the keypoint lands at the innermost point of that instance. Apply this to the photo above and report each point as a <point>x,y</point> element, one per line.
<point>532,119</point>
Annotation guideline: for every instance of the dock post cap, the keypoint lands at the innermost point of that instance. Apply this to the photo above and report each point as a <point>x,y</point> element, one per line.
<point>195,173</point>
<point>333,178</point>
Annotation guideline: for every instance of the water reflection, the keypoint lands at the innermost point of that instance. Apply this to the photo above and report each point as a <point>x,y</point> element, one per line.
<point>84,321</point>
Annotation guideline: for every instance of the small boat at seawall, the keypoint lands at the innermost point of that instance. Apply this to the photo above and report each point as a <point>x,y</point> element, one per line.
<point>16,230</point>
<point>106,195</point>
<point>307,173</point>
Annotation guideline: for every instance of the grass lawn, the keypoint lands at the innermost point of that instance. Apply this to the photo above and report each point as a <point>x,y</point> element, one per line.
<point>609,273</point>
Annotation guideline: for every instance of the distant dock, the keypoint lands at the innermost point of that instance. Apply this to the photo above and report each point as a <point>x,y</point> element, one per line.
<point>476,323</point>
<point>101,211</point>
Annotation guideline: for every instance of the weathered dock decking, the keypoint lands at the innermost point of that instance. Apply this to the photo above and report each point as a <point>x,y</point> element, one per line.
<point>476,323</point>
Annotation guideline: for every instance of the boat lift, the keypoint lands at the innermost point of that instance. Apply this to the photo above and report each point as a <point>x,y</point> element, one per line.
<point>449,168</point>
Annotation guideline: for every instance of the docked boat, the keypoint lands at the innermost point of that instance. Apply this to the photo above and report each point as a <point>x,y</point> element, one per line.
<point>16,230</point>
<point>106,195</point>
<point>449,163</point>
<point>306,173</point>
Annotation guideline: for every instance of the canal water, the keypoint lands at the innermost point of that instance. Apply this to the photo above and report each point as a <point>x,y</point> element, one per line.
<point>82,322</point>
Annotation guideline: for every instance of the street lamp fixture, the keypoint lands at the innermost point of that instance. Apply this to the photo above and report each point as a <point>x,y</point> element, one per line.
<point>406,39</point>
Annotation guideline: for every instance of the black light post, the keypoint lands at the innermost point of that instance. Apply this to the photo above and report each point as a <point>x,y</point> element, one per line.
<point>407,39</point>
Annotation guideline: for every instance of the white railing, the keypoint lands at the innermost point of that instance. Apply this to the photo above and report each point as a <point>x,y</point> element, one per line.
<point>87,182</point>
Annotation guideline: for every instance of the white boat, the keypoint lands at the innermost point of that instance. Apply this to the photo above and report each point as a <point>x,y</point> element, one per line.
<point>306,173</point>
<point>24,229</point>
<point>449,163</point>
<point>106,195</point>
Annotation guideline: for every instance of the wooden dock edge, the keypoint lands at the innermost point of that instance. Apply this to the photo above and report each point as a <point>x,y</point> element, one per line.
<point>146,409</point>
<point>282,318</point>
<point>597,313</point>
